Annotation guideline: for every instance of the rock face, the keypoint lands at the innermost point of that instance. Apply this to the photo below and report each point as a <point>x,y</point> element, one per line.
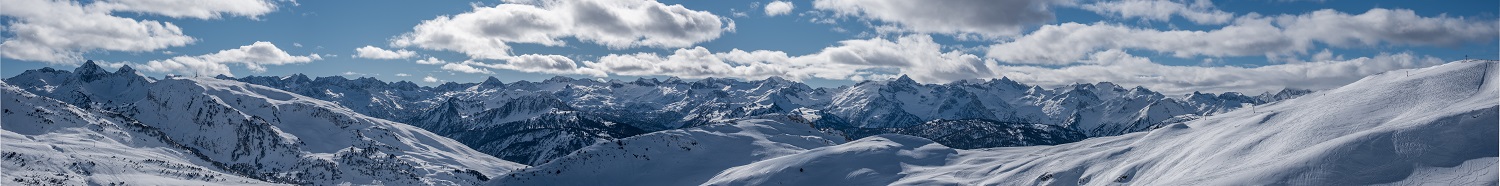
<point>213,131</point>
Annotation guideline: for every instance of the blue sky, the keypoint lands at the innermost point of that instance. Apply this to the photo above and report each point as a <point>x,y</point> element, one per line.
<point>823,42</point>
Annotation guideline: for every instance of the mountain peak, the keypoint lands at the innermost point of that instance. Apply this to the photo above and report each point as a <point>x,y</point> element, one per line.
<point>90,71</point>
<point>491,82</point>
<point>89,67</point>
<point>125,69</point>
<point>559,79</point>
<point>905,79</point>
<point>776,79</point>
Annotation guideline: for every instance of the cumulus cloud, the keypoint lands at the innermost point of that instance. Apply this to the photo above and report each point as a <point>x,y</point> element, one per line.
<point>926,61</point>
<point>865,59</point>
<point>486,32</point>
<point>696,62</point>
<point>372,52</point>
<point>431,61</point>
<point>1200,11</point>
<point>465,67</point>
<point>776,8</point>
<point>990,18</point>
<point>402,75</point>
<point>1273,37</point>
<point>61,32</point>
<point>430,79</point>
<point>254,56</point>
<point>551,64</point>
<point>190,8</point>
<point>1126,69</point>
<point>535,63</point>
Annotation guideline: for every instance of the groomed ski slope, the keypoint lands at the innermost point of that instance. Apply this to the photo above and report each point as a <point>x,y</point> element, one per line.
<point>1434,126</point>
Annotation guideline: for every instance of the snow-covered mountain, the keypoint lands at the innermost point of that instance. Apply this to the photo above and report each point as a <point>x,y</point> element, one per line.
<point>91,126</point>
<point>1436,126</point>
<point>215,131</point>
<point>533,122</point>
<point>49,142</point>
<point>680,156</point>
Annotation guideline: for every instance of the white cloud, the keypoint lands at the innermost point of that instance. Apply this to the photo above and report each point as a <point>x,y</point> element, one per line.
<point>915,55</point>
<point>1127,69</point>
<point>486,32</point>
<point>431,79</point>
<point>466,67</point>
<point>1274,37</point>
<point>870,59</point>
<point>776,8</point>
<point>372,52</point>
<point>253,56</point>
<point>697,62</point>
<point>431,61</point>
<point>402,75</point>
<point>989,18</point>
<point>551,64</point>
<point>925,61</point>
<point>61,32</point>
<point>190,8</point>
<point>1377,26</point>
<point>1201,11</point>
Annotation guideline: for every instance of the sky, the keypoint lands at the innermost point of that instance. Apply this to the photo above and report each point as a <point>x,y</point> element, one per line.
<point>1172,46</point>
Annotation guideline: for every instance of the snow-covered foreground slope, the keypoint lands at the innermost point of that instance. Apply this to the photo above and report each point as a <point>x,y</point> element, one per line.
<point>1435,126</point>
<point>677,157</point>
<point>208,129</point>
<point>48,142</point>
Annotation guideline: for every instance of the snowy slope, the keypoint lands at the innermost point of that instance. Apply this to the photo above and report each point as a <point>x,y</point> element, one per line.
<point>261,133</point>
<point>286,137</point>
<point>1436,126</point>
<point>48,142</point>
<point>677,157</point>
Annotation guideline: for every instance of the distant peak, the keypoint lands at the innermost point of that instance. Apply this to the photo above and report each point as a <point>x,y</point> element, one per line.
<point>905,79</point>
<point>125,69</point>
<point>491,82</point>
<point>775,79</point>
<point>559,79</point>
<point>298,77</point>
<point>89,67</point>
<point>1140,89</point>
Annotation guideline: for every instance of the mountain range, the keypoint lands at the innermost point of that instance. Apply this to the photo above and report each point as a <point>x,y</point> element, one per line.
<point>92,126</point>
<point>533,122</point>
